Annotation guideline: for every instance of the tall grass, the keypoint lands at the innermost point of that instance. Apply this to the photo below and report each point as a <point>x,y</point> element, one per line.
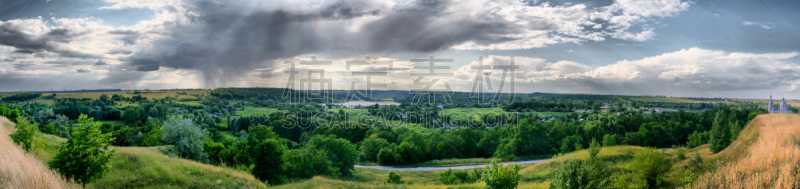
<point>766,155</point>
<point>22,170</point>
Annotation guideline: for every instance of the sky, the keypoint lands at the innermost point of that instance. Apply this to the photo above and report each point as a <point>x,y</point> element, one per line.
<point>700,48</point>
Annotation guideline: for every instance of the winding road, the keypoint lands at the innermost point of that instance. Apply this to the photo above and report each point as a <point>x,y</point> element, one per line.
<point>390,168</point>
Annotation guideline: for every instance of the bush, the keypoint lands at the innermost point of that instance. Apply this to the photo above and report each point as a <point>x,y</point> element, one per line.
<point>24,136</point>
<point>50,129</point>
<point>394,178</point>
<point>651,165</point>
<point>186,137</point>
<point>85,155</point>
<point>680,154</point>
<point>591,173</point>
<point>498,176</point>
<point>458,177</point>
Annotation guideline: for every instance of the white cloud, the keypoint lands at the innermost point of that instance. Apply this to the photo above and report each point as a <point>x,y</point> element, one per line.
<point>748,23</point>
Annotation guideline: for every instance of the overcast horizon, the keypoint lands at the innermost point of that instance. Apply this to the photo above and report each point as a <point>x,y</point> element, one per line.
<point>732,49</point>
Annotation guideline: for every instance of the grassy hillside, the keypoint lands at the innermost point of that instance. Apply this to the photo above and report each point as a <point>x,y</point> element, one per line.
<point>766,155</point>
<point>21,170</point>
<point>132,167</point>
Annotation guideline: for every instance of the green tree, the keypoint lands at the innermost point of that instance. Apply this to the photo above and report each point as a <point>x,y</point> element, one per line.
<point>697,139</point>
<point>609,140</point>
<point>24,136</point>
<point>306,162</point>
<point>651,165</point>
<point>735,129</point>
<point>371,146</point>
<point>720,133</point>
<point>266,156</point>
<point>342,153</point>
<point>85,155</point>
<point>186,137</point>
<point>498,176</point>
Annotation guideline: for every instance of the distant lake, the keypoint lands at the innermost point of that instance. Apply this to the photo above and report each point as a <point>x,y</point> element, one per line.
<point>364,103</point>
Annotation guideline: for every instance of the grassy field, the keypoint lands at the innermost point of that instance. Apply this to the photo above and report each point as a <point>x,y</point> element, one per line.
<point>252,111</point>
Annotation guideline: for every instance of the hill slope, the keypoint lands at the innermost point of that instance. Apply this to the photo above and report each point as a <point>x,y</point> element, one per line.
<point>766,155</point>
<point>133,167</point>
<point>21,170</point>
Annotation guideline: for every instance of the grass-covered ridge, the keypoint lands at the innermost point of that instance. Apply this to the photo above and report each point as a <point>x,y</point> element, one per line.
<point>765,155</point>
<point>148,167</point>
<point>19,169</point>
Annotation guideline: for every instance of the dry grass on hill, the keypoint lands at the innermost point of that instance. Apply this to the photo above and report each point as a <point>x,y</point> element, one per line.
<point>766,155</point>
<point>22,170</point>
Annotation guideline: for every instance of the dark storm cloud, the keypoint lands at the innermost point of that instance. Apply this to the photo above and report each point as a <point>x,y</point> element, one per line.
<point>128,37</point>
<point>267,35</point>
<point>22,65</point>
<point>100,62</point>
<point>28,44</point>
<point>81,70</point>
<point>119,51</point>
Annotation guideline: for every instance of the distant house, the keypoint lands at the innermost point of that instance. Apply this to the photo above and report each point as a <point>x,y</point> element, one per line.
<point>440,106</point>
<point>403,116</point>
<point>242,136</point>
<point>136,136</point>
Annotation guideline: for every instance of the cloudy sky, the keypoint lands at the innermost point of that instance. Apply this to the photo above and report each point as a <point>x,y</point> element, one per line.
<point>699,48</point>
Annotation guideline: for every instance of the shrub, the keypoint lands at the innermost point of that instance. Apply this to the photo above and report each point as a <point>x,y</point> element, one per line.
<point>394,178</point>
<point>498,176</point>
<point>680,154</point>
<point>591,173</point>
<point>85,155</point>
<point>651,165</point>
<point>458,176</point>
<point>24,136</point>
<point>50,129</point>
